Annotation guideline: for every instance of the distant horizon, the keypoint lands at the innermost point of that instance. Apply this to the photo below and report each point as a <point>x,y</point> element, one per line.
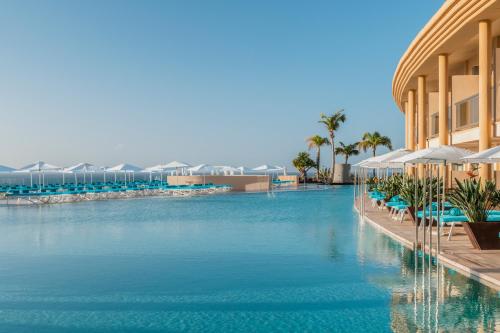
<point>225,82</point>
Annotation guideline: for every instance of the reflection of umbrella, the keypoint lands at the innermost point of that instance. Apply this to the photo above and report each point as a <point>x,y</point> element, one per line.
<point>39,167</point>
<point>125,168</point>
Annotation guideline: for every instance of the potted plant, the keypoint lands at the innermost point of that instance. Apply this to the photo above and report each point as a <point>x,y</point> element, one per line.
<point>475,199</point>
<point>407,193</point>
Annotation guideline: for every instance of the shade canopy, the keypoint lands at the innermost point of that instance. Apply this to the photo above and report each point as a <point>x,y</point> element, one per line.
<point>435,155</point>
<point>244,170</point>
<point>125,167</point>
<point>82,167</point>
<point>202,169</point>
<point>176,165</point>
<point>491,155</point>
<point>4,168</point>
<point>156,168</point>
<point>267,168</point>
<point>39,166</point>
<point>386,160</point>
<point>227,168</point>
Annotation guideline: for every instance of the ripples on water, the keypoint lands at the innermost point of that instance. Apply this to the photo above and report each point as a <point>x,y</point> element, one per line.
<point>295,261</point>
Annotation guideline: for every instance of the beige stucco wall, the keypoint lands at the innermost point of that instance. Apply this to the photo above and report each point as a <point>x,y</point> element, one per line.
<point>249,183</point>
<point>463,87</point>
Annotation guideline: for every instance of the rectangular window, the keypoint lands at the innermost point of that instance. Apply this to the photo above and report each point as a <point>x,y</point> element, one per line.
<point>467,112</point>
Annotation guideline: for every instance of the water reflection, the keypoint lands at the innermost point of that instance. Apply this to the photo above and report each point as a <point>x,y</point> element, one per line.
<point>427,296</point>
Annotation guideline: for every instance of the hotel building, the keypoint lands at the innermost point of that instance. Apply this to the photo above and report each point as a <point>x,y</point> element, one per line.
<point>447,82</point>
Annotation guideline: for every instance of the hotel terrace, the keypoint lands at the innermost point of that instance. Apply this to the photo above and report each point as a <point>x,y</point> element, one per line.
<point>447,82</point>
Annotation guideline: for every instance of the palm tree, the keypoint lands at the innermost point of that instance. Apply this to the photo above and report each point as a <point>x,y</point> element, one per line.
<point>317,142</point>
<point>374,140</point>
<point>347,150</point>
<point>303,163</point>
<point>332,124</point>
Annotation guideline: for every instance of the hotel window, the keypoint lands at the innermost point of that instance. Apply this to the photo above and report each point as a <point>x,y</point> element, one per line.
<point>467,112</point>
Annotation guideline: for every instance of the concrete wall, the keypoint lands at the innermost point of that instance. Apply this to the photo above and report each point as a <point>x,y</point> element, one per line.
<point>248,183</point>
<point>342,173</point>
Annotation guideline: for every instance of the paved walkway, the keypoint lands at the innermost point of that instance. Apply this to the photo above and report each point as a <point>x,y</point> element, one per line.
<point>457,253</point>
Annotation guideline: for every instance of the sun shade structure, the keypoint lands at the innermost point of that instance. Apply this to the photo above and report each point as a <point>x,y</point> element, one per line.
<point>491,155</point>
<point>227,169</point>
<point>267,168</point>
<point>435,155</point>
<point>156,168</point>
<point>202,169</point>
<point>39,167</point>
<point>386,160</point>
<point>4,168</point>
<point>176,165</point>
<point>244,170</point>
<point>82,167</point>
<point>125,167</point>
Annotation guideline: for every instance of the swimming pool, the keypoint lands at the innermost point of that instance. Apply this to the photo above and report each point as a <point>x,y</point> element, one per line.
<point>296,261</point>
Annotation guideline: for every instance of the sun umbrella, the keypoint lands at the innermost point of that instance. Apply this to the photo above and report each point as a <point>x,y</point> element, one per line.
<point>244,170</point>
<point>435,155</point>
<point>81,168</point>
<point>387,160</point>
<point>491,155</point>
<point>202,169</point>
<point>156,168</point>
<point>4,168</point>
<point>227,169</point>
<point>39,167</point>
<point>125,168</point>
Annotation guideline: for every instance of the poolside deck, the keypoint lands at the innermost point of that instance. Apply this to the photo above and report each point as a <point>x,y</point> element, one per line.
<point>456,253</point>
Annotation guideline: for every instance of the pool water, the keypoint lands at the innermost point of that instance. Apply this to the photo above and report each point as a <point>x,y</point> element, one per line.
<point>294,261</point>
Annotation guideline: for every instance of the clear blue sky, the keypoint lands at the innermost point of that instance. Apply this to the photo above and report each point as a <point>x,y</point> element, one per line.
<point>232,82</point>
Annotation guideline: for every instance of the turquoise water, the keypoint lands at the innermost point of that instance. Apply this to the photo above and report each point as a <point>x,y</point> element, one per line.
<point>293,262</point>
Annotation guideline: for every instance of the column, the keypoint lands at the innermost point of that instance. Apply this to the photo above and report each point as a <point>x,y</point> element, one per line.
<point>407,119</point>
<point>484,93</point>
<point>422,119</point>
<point>411,119</point>
<point>443,99</point>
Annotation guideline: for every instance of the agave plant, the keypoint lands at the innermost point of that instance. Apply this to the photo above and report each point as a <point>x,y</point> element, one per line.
<point>474,198</point>
<point>372,183</point>
<point>391,186</point>
<point>324,175</point>
<point>407,192</point>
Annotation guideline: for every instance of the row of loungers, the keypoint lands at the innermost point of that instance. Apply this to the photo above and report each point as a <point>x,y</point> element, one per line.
<point>56,193</point>
<point>448,216</point>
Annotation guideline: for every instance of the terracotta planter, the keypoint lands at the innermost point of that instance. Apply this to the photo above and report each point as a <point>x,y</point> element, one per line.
<point>483,235</point>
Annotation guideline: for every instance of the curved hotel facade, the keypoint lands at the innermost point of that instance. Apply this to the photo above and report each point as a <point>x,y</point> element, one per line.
<point>447,82</point>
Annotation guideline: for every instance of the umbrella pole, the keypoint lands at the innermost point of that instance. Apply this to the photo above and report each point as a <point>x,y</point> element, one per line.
<point>430,214</point>
<point>438,217</point>
<point>415,211</point>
